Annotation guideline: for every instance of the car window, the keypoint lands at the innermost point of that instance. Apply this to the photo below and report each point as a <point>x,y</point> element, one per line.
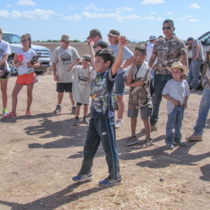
<point>11,38</point>
<point>205,38</point>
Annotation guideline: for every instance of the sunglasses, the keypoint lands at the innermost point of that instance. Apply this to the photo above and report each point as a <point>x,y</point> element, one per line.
<point>24,40</point>
<point>168,27</point>
<point>65,42</point>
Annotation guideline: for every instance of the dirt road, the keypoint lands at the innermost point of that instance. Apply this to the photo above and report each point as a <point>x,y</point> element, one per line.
<point>40,155</point>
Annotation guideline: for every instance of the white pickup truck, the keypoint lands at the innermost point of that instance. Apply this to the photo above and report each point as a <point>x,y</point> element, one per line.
<point>15,43</point>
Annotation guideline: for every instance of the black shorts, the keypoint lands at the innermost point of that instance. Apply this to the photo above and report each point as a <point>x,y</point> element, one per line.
<point>80,104</point>
<point>6,75</point>
<point>61,87</point>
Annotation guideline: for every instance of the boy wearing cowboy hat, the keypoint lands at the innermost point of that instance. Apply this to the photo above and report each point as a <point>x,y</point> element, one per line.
<point>176,92</point>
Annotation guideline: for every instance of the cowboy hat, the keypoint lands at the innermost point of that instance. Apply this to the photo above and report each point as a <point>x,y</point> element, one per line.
<point>179,66</point>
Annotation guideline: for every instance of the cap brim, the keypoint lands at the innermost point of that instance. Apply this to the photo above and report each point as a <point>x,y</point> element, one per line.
<point>112,35</point>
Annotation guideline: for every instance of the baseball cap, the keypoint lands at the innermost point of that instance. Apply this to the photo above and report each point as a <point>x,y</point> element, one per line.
<point>86,57</point>
<point>102,43</point>
<point>66,38</point>
<point>94,33</point>
<point>152,38</point>
<point>190,39</point>
<point>114,33</point>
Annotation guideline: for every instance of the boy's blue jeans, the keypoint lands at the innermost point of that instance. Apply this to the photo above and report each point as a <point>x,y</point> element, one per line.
<point>160,81</point>
<point>101,130</point>
<point>175,119</point>
<point>203,112</point>
<point>194,73</point>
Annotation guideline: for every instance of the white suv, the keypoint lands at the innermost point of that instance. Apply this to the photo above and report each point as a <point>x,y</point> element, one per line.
<point>15,44</point>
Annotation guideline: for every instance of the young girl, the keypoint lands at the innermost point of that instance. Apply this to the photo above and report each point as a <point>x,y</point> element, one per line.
<point>5,51</point>
<point>26,74</point>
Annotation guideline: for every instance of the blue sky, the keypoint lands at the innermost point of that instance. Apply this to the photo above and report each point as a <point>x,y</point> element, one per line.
<point>136,19</point>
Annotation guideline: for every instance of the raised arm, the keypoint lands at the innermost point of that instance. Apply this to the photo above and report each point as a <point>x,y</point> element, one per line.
<point>73,64</point>
<point>122,43</point>
<point>92,53</point>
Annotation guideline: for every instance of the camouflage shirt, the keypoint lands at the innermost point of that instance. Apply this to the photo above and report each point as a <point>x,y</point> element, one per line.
<point>168,51</point>
<point>139,97</point>
<point>206,79</point>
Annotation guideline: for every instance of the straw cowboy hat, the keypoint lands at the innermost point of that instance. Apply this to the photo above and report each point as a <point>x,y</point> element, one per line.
<point>179,66</point>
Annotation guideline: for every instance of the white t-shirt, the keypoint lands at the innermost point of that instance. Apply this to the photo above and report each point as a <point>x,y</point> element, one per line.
<point>127,53</point>
<point>5,50</point>
<point>63,58</point>
<point>149,51</point>
<point>176,90</point>
<point>27,56</point>
<point>81,84</point>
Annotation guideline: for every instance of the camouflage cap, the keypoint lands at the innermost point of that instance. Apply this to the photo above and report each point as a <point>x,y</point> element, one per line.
<point>94,33</point>
<point>114,33</point>
<point>65,38</point>
<point>86,57</point>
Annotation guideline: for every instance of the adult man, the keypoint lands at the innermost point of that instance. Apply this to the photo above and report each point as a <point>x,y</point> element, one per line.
<point>120,80</point>
<point>95,35</point>
<point>197,60</point>
<point>167,50</point>
<point>61,59</point>
<point>204,105</point>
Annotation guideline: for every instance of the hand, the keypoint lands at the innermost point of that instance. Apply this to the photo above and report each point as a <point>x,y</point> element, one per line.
<point>20,63</point>
<point>122,67</point>
<point>56,78</point>
<point>29,64</point>
<point>196,58</point>
<point>176,103</point>
<point>90,44</point>
<point>123,41</point>
<point>185,104</point>
<point>1,73</point>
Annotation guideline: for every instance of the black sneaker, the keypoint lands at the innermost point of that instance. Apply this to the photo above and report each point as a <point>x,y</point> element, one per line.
<point>57,109</point>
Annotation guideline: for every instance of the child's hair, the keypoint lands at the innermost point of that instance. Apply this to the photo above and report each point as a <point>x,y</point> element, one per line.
<point>107,55</point>
<point>171,22</point>
<point>28,36</point>
<point>1,31</point>
<point>142,49</point>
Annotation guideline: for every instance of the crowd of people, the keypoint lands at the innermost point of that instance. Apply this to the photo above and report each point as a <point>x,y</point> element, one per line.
<point>151,72</point>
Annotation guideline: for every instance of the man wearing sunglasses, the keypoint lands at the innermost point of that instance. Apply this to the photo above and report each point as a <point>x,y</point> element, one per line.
<point>62,57</point>
<point>95,35</point>
<point>166,50</point>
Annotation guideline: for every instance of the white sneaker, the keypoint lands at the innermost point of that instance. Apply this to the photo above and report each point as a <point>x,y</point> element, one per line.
<point>119,124</point>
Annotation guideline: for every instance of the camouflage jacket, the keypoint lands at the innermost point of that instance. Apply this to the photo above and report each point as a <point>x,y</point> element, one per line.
<point>168,51</point>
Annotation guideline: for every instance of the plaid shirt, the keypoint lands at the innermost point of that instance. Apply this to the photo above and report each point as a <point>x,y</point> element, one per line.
<point>168,51</point>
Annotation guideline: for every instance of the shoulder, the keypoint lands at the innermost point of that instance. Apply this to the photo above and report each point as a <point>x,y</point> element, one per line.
<point>4,43</point>
<point>32,51</point>
<point>179,40</point>
<point>72,49</point>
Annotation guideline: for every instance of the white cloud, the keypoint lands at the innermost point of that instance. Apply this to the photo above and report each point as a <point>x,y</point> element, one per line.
<point>8,5</point>
<point>72,17</point>
<point>181,18</point>
<point>26,3</point>
<point>159,18</point>
<point>152,13</point>
<point>101,15</point>
<point>193,20</point>
<point>72,7</point>
<point>128,17</point>
<point>125,8</point>
<point>187,16</point>
<point>35,14</point>
<point>93,7</point>
<point>195,6</point>
<point>169,13</point>
<point>152,2</point>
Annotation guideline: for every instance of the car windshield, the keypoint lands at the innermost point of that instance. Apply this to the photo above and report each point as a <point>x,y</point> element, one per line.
<point>11,38</point>
<point>205,38</point>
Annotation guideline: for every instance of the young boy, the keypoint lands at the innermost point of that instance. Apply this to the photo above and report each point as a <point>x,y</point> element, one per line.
<point>83,76</point>
<point>176,92</point>
<point>138,79</point>
<point>102,123</point>
<point>62,57</point>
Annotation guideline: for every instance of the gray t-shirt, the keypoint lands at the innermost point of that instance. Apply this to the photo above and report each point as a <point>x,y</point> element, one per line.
<point>176,90</point>
<point>127,53</point>
<point>5,50</point>
<point>81,84</point>
<point>194,44</point>
<point>63,58</point>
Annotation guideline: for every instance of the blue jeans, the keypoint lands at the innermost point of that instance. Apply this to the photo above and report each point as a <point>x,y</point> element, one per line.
<point>194,73</point>
<point>203,112</point>
<point>159,83</point>
<point>120,84</point>
<point>101,130</point>
<point>175,119</point>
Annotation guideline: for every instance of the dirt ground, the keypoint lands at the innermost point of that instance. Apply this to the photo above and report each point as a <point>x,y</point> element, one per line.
<point>40,155</point>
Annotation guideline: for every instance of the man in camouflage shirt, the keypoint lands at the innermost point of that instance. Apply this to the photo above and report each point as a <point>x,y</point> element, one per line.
<point>204,105</point>
<point>167,50</point>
